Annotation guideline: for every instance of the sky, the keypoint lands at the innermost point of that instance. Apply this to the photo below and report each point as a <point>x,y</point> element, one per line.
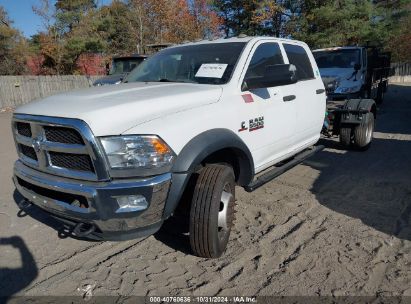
<point>24,19</point>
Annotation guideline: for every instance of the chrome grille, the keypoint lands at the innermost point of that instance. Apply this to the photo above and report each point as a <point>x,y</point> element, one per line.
<point>23,129</point>
<point>28,152</point>
<point>330,84</point>
<point>78,162</point>
<point>63,135</point>
<point>60,146</point>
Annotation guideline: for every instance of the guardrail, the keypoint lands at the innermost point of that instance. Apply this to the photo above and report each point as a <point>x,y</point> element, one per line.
<point>18,90</point>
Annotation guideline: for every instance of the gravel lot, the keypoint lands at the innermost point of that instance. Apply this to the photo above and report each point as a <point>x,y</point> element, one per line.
<point>340,224</point>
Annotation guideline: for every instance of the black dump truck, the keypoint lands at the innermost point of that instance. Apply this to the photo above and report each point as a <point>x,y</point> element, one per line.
<point>355,79</point>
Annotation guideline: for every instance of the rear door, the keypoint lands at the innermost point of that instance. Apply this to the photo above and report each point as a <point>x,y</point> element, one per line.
<point>308,95</point>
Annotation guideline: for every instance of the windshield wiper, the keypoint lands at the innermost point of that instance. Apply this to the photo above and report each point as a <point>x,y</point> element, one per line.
<point>165,80</point>
<point>171,80</point>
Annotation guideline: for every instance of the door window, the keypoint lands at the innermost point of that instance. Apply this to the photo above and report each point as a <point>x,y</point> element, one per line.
<point>298,56</point>
<point>265,55</point>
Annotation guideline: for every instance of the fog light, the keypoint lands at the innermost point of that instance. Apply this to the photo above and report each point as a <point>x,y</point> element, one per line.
<point>131,203</point>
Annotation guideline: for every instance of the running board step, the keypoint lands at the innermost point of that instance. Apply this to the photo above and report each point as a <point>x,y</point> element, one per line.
<point>276,171</point>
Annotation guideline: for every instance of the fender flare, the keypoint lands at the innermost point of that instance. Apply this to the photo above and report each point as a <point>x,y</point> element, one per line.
<point>196,151</point>
<point>359,105</point>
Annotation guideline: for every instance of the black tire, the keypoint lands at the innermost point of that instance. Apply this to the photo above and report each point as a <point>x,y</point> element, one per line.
<point>363,133</point>
<point>213,201</point>
<point>346,136</point>
<point>380,94</point>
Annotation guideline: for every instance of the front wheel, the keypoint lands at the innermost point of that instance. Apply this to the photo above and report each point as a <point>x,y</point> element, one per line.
<point>212,211</point>
<point>363,133</point>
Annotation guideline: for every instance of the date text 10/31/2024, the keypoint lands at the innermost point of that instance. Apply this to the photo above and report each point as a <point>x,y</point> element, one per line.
<point>203,299</point>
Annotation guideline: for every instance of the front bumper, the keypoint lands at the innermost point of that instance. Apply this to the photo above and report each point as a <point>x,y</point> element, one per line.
<point>343,96</point>
<point>95,203</point>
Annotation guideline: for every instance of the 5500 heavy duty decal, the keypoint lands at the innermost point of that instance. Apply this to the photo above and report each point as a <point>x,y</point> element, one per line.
<point>253,124</point>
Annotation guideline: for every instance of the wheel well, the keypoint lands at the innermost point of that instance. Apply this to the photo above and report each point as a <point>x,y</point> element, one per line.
<point>237,159</point>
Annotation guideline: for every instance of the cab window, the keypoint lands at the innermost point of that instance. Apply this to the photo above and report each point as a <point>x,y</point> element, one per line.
<point>265,55</point>
<point>298,56</point>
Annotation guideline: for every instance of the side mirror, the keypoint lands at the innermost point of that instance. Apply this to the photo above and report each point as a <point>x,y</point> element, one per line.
<point>357,67</point>
<point>274,75</point>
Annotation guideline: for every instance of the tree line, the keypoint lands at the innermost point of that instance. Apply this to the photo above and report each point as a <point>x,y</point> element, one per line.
<point>75,28</point>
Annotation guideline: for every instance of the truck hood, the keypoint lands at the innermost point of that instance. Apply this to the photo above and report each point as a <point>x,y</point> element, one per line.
<point>338,73</point>
<point>343,79</point>
<point>111,110</point>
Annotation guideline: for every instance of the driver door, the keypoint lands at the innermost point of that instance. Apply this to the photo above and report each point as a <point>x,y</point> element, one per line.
<point>270,115</point>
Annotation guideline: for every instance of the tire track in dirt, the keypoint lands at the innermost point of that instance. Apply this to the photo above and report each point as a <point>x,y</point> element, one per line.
<point>93,256</point>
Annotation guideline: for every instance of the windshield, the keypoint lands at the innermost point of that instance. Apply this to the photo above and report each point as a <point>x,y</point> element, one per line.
<point>337,58</point>
<point>211,63</point>
<point>124,65</point>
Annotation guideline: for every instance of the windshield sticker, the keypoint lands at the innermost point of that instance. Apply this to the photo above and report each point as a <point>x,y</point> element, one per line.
<point>211,70</point>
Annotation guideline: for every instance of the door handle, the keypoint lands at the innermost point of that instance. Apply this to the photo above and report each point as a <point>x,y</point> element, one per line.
<point>289,98</point>
<point>320,91</point>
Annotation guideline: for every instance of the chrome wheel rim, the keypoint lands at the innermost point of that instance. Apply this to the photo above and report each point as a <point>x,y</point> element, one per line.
<point>369,131</point>
<point>223,213</point>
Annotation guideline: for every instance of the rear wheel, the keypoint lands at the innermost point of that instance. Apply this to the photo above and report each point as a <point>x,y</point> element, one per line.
<point>212,211</point>
<point>363,133</point>
<point>346,136</point>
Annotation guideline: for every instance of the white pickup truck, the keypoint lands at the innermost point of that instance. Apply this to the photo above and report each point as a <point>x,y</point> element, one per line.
<point>196,119</point>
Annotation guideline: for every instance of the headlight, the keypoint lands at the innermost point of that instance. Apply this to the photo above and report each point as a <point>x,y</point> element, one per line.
<point>148,154</point>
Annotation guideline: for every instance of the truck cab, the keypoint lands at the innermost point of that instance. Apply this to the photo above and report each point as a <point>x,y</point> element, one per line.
<point>344,71</point>
<point>354,72</point>
<point>119,68</point>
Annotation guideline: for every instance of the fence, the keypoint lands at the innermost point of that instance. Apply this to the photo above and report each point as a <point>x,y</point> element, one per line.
<point>18,90</point>
<point>401,72</point>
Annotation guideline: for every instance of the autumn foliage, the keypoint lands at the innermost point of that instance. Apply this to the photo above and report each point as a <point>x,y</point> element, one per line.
<point>80,37</point>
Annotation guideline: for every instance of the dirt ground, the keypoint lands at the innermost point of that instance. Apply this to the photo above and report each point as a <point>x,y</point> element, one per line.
<point>340,224</point>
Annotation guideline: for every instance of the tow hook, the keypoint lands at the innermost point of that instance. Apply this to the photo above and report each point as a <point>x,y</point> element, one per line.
<point>24,204</point>
<point>84,229</point>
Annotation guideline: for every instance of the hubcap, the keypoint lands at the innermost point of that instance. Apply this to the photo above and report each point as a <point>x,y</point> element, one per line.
<point>225,200</point>
<point>370,129</point>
